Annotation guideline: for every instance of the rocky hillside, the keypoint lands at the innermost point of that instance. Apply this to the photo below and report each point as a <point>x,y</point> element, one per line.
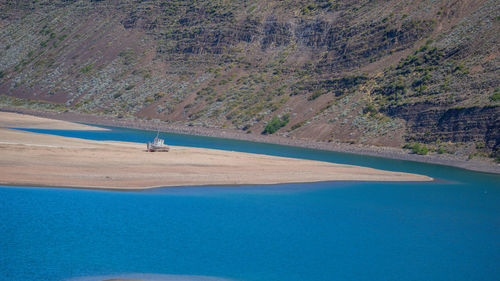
<point>389,72</point>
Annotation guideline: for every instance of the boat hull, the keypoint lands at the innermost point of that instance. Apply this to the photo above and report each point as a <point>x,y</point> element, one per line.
<point>158,149</point>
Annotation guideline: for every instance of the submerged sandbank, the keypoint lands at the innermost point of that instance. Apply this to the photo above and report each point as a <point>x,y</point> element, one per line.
<point>45,160</point>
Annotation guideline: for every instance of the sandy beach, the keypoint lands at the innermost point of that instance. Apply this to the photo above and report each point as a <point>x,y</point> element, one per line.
<point>31,159</point>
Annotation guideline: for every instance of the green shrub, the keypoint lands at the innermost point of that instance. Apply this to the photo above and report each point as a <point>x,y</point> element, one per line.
<point>496,95</point>
<point>275,124</point>
<point>87,68</point>
<point>315,95</point>
<point>159,95</point>
<point>419,149</point>
<point>297,125</point>
<point>128,56</point>
<point>370,109</point>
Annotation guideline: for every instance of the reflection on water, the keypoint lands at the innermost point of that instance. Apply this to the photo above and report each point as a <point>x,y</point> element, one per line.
<point>148,277</point>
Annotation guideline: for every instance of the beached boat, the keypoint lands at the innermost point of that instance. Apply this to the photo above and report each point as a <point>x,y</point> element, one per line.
<point>158,145</point>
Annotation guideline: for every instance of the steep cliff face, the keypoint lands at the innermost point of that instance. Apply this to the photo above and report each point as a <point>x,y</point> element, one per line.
<point>428,123</point>
<point>374,72</point>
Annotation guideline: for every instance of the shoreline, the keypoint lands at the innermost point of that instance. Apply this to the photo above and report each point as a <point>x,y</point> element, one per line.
<point>135,189</point>
<point>383,152</point>
<point>44,160</point>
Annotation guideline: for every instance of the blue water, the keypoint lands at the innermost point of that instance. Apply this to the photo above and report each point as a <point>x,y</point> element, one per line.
<point>444,230</point>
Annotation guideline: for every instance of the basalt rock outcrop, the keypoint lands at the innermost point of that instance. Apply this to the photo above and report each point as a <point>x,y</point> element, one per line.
<point>430,123</point>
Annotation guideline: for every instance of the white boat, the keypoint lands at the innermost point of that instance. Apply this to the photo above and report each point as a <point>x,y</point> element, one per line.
<point>158,145</point>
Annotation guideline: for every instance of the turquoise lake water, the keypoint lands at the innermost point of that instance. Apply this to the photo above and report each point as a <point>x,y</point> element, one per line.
<point>443,230</point>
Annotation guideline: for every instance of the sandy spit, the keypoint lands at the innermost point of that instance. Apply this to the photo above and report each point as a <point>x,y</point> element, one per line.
<point>32,159</point>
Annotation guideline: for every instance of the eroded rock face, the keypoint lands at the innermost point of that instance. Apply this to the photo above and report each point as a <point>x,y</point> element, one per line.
<point>428,123</point>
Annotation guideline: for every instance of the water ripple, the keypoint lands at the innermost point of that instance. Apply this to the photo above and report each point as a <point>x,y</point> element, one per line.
<point>148,277</point>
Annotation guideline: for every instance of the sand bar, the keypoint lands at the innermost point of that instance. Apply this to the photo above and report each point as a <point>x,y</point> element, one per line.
<point>44,160</point>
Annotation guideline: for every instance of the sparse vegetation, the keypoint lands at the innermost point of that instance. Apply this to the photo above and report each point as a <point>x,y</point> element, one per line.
<point>128,56</point>
<point>297,125</point>
<point>370,110</point>
<point>86,69</point>
<point>315,95</point>
<point>159,95</point>
<point>234,64</point>
<point>496,95</point>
